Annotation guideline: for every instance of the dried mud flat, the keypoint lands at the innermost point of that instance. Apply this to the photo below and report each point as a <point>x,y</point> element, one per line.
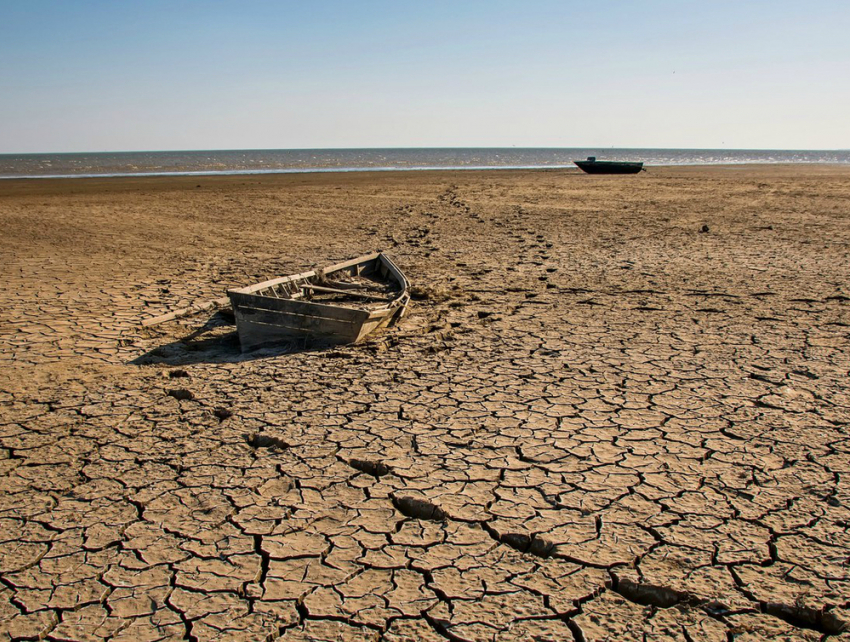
<point>598,422</point>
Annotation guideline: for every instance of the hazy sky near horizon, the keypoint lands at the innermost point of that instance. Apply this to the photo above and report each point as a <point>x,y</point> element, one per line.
<point>88,75</point>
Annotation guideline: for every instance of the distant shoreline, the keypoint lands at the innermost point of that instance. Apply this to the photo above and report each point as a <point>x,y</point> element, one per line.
<point>307,161</point>
<point>350,170</point>
<point>332,180</point>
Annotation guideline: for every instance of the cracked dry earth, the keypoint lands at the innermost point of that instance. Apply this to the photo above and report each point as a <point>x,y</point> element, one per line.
<point>598,422</point>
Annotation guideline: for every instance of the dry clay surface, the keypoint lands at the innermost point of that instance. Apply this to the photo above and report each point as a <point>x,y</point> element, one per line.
<point>617,410</point>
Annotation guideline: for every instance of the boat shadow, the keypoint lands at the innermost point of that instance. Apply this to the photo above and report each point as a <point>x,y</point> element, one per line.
<point>216,341</point>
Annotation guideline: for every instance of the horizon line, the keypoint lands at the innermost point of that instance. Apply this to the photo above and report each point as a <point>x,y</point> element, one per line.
<point>490,147</point>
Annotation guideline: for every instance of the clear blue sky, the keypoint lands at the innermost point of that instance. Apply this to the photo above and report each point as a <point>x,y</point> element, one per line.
<point>85,75</point>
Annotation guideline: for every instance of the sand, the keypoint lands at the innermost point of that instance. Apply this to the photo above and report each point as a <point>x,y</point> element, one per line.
<point>617,410</point>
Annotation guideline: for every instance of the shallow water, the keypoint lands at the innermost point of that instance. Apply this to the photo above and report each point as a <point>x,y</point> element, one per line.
<point>341,160</point>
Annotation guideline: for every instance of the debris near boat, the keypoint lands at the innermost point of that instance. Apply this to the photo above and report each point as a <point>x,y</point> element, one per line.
<point>342,303</point>
<point>185,312</point>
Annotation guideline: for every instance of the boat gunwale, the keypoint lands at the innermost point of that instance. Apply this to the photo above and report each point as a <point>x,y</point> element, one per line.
<point>250,291</point>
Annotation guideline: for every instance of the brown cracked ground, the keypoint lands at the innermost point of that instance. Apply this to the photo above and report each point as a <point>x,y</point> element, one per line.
<point>598,422</point>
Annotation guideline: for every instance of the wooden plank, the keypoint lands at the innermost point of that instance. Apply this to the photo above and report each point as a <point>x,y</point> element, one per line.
<point>291,306</point>
<point>185,312</point>
<point>397,274</point>
<point>300,321</point>
<point>352,263</point>
<point>254,335</point>
<point>400,303</point>
<point>321,288</point>
<point>347,285</point>
<point>255,331</point>
<point>261,327</point>
<point>272,282</point>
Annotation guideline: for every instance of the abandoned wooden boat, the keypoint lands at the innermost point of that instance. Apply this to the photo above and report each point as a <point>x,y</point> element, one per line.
<point>593,166</point>
<point>339,304</point>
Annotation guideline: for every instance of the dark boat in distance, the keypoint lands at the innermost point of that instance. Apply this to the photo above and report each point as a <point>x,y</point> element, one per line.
<point>593,166</point>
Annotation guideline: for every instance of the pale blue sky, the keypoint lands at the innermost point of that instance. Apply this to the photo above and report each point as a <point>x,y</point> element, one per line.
<point>84,75</point>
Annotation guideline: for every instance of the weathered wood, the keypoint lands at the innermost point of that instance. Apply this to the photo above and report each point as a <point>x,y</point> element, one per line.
<point>321,288</point>
<point>299,324</point>
<point>185,312</point>
<point>359,285</point>
<point>353,263</point>
<point>263,317</point>
<point>296,306</point>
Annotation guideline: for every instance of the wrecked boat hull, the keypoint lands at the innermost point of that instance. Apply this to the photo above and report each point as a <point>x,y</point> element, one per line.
<point>278,311</point>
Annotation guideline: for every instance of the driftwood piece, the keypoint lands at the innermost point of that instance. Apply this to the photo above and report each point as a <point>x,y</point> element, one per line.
<point>185,312</point>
